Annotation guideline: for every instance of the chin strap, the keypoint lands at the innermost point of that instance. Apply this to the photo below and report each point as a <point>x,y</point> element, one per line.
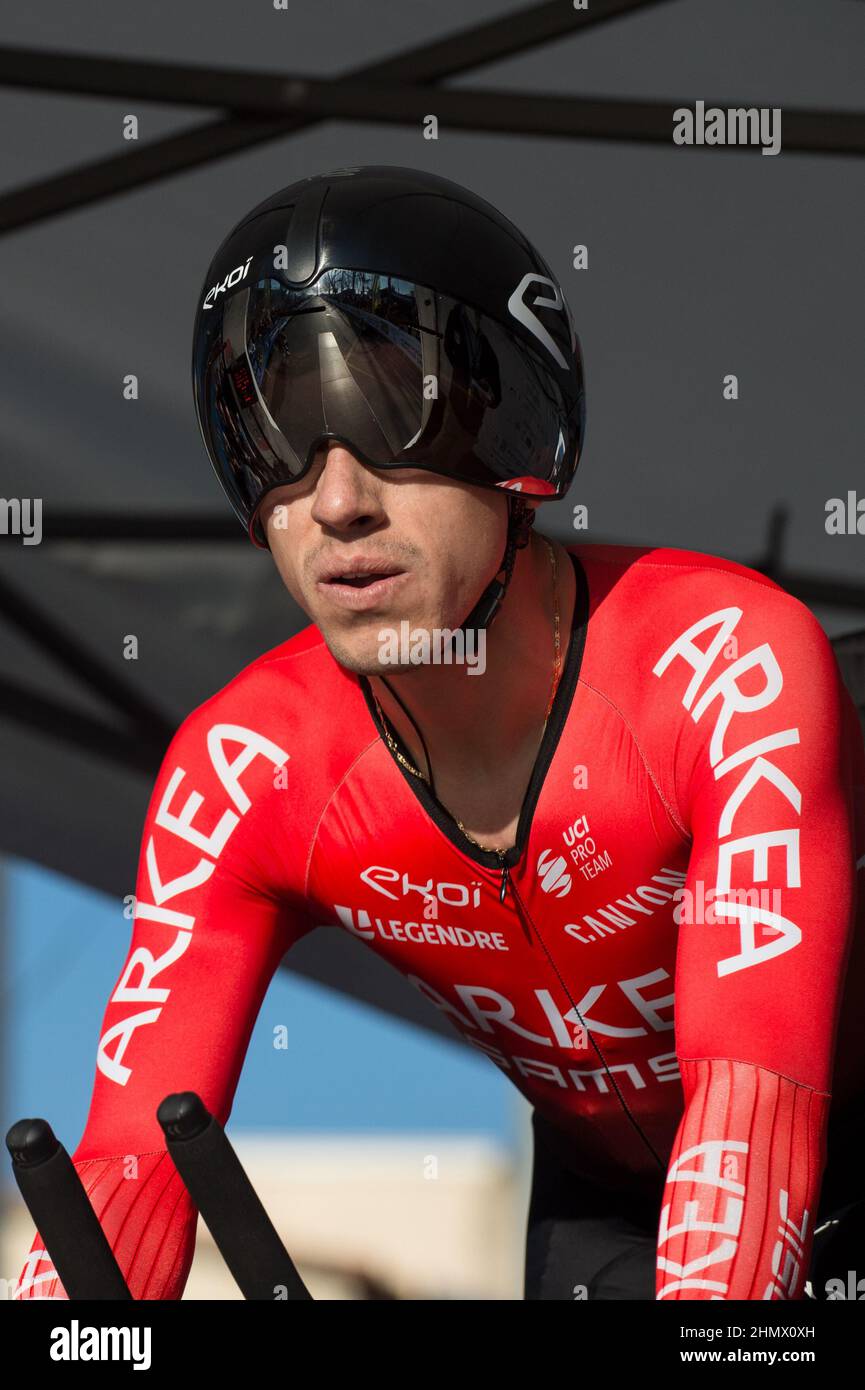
<point>520,521</point>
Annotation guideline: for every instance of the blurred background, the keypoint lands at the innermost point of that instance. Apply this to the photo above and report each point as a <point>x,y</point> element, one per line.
<point>403,1171</point>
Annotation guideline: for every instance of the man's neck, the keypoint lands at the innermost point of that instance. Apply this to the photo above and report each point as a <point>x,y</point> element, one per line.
<point>472,720</point>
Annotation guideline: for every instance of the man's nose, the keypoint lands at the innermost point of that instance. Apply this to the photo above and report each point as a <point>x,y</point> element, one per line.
<point>346,490</point>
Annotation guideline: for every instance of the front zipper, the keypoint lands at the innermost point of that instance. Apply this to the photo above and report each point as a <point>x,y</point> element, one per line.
<point>504,888</point>
<point>521,914</point>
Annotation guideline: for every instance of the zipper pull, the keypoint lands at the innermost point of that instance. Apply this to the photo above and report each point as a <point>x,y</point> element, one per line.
<point>504,883</point>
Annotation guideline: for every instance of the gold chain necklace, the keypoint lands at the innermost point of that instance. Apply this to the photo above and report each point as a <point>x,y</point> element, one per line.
<point>557,671</point>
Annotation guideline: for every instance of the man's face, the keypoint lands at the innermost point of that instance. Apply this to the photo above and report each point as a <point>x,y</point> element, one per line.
<point>362,550</point>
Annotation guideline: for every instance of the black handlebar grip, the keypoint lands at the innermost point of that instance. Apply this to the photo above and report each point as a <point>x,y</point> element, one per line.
<point>227,1201</point>
<point>65,1220</point>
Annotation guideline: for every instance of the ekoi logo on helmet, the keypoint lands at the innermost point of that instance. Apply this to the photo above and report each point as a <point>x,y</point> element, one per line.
<point>231,279</point>
<point>524,315</point>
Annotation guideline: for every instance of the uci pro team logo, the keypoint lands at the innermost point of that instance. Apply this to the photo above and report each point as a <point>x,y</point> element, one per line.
<point>521,311</point>
<point>553,874</point>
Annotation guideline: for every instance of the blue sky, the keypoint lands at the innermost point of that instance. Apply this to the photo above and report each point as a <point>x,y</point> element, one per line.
<point>65,947</point>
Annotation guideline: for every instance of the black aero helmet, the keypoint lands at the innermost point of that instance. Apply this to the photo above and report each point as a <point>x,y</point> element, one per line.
<point>398,313</point>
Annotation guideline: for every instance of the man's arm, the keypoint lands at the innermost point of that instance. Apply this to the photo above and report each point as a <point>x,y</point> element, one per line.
<point>765,769</point>
<point>211,925</point>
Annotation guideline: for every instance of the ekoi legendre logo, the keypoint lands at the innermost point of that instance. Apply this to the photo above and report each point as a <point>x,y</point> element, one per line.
<point>726,695</point>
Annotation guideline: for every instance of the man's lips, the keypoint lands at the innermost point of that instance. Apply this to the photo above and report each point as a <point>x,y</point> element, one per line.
<point>360,585</point>
<point>356,566</point>
<point>360,581</point>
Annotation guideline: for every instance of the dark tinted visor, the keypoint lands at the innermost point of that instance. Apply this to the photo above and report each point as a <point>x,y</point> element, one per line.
<point>402,375</point>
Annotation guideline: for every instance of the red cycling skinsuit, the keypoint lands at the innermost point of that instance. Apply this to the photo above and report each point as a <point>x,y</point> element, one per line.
<point>693,824</point>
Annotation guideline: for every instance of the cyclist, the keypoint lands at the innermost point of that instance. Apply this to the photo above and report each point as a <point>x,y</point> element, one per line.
<point>622,775</point>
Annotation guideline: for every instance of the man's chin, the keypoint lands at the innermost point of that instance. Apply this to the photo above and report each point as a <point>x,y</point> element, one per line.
<point>363,651</point>
<point>363,663</point>
<point>381,649</point>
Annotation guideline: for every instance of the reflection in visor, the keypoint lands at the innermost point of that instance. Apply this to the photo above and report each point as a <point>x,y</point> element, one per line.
<point>403,375</point>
